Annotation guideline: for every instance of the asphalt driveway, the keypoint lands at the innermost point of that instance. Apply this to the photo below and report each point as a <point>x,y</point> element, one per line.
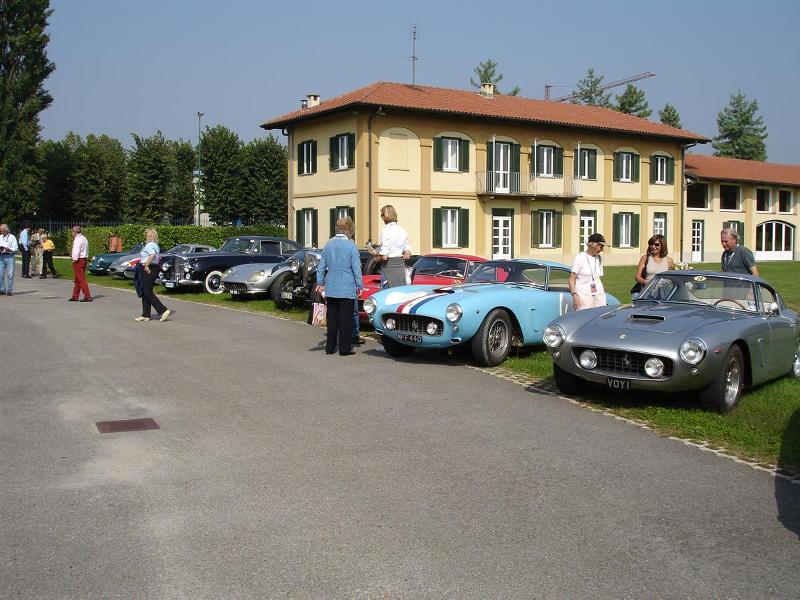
<point>279,471</point>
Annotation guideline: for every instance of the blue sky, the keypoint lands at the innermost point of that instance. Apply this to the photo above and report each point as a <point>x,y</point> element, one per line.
<point>142,66</point>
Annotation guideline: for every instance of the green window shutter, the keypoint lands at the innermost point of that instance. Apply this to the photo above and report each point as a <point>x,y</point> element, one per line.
<point>438,154</point>
<point>314,227</point>
<point>514,167</point>
<point>351,150</point>
<point>740,231</point>
<point>558,162</point>
<point>617,234</point>
<point>463,156</point>
<point>333,153</point>
<point>313,156</point>
<point>670,170</point>
<point>538,159</point>
<point>463,227</point>
<point>437,227</point>
<point>653,168</point>
<point>489,164</point>
<point>299,235</point>
<point>299,159</point>
<point>617,166</point>
<point>333,222</point>
<point>635,167</point>
<point>535,232</point>
<point>635,230</point>
<point>592,164</point>
<point>557,229</point>
<point>576,162</point>
<point>351,212</point>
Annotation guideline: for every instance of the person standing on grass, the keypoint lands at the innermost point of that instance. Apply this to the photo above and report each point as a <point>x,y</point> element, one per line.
<point>587,269</point>
<point>25,249</point>
<point>147,271</point>
<point>736,258</point>
<point>8,248</point>
<point>80,256</point>
<point>47,257</point>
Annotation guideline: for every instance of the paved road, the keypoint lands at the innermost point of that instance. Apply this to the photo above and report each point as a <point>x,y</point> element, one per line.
<point>279,471</point>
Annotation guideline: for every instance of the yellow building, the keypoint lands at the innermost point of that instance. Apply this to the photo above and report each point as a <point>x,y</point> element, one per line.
<point>757,199</point>
<point>480,173</point>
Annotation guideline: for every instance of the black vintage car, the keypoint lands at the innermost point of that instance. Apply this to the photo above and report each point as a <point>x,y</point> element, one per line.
<point>206,269</point>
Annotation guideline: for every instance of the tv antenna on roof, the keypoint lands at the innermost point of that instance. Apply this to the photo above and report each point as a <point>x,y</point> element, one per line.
<point>413,58</point>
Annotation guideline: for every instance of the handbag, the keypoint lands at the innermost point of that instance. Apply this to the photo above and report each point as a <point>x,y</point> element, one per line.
<point>319,314</point>
<point>638,286</point>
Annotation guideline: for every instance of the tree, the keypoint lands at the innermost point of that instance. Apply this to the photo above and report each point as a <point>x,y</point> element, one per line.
<point>487,73</point>
<point>633,102</point>
<point>23,69</point>
<point>265,185</point>
<point>99,179</point>
<point>589,91</point>
<point>741,132</point>
<point>57,164</point>
<point>223,175</point>
<point>181,191</point>
<point>148,179</point>
<point>669,116</point>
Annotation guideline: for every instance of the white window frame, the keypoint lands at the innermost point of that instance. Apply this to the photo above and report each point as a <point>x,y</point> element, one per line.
<point>546,225</point>
<point>769,200</point>
<point>661,169</point>
<point>342,145</point>
<point>305,158</point>
<point>660,224</point>
<point>450,155</point>
<point>625,224</point>
<point>548,166</point>
<point>587,228</point>
<point>698,237</point>
<point>450,228</point>
<point>738,199</point>
<point>583,163</point>
<point>626,167</point>
<point>308,227</point>
<point>791,203</point>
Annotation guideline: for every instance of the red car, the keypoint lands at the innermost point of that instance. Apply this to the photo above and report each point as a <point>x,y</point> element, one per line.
<point>430,269</point>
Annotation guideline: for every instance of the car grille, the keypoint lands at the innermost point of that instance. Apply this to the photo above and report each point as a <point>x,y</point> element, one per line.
<point>413,323</point>
<point>624,364</point>
<point>307,266</point>
<point>235,286</point>
<point>174,269</point>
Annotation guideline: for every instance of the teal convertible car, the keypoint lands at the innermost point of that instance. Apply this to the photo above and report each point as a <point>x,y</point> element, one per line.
<point>503,304</point>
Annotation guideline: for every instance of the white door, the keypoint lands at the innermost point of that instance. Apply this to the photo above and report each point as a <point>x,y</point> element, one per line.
<point>501,237</point>
<point>697,241</point>
<point>502,168</point>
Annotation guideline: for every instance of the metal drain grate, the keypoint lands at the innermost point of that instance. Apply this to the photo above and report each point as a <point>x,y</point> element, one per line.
<point>126,425</point>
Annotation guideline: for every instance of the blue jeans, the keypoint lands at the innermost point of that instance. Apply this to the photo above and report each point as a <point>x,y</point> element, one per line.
<point>6,270</point>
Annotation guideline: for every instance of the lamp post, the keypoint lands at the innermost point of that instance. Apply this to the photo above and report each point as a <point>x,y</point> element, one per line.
<point>200,114</point>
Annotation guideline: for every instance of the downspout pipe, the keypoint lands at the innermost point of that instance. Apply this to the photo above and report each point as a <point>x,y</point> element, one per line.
<point>378,113</point>
<point>683,193</point>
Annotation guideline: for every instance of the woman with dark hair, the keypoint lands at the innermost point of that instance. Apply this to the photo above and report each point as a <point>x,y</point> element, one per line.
<point>654,261</point>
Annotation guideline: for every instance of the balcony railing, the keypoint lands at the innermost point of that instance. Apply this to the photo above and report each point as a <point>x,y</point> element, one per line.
<point>498,182</point>
<point>565,186</point>
<point>503,182</point>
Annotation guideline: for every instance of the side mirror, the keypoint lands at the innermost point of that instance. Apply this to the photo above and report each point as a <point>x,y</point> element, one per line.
<point>773,308</point>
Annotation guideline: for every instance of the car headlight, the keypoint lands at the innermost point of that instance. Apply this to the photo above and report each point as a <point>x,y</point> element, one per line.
<point>257,276</point>
<point>127,263</point>
<point>431,329</point>
<point>693,351</point>
<point>654,367</point>
<point>588,359</point>
<point>164,267</point>
<point>553,336</point>
<point>453,312</point>
<point>370,305</point>
<point>294,266</point>
<point>390,324</point>
<point>312,263</point>
<point>228,271</point>
<point>93,258</point>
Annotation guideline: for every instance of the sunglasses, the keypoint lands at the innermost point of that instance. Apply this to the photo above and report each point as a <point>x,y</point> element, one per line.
<point>655,244</point>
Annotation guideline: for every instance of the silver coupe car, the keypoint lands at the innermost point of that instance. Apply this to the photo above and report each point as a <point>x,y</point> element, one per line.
<point>250,279</point>
<point>715,333</point>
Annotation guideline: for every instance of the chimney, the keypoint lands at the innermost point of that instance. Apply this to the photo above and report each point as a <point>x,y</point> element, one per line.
<point>313,100</point>
<point>487,90</point>
<point>303,103</point>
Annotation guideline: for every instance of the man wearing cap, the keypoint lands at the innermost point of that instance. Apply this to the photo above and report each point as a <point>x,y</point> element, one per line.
<point>587,269</point>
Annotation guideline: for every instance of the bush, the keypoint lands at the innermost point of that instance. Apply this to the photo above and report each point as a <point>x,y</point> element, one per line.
<point>168,236</point>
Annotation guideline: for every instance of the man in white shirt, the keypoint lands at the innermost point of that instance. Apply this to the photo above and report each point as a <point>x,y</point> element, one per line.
<point>80,254</point>
<point>8,247</point>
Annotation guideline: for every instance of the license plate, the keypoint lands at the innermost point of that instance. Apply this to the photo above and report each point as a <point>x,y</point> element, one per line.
<point>286,295</point>
<point>169,284</point>
<point>234,292</point>
<point>407,337</point>
<point>618,384</point>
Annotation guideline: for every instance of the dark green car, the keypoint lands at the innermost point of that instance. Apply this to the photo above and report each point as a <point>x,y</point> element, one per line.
<point>100,262</point>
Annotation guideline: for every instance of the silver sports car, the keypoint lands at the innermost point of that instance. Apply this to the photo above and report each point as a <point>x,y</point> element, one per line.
<point>716,333</point>
<point>249,279</point>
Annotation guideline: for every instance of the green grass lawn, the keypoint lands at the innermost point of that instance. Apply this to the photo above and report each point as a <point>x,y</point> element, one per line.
<point>765,427</point>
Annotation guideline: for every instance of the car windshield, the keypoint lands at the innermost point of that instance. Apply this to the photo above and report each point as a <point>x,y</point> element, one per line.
<point>510,272</point>
<point>723,292</point>
<point>443,266</point>
<point>136,248</point>
<point>236,245</point>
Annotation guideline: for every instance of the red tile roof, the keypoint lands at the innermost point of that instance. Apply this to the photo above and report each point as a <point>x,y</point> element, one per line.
<point>472,103</point>
<point>735,169</point>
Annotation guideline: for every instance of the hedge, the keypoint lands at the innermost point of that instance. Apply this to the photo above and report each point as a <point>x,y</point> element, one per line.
<point>168,236</point>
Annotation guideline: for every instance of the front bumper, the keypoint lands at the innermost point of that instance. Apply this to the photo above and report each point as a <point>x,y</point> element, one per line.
<point>410,330</point>
<point>237,288</point>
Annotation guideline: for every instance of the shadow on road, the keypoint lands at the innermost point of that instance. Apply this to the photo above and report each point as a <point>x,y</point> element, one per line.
<point>787,493</point>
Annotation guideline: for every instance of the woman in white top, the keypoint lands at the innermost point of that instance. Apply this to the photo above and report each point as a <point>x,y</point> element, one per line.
<point>394,248</point>
<point>587,269</point>
<point>654,261</point>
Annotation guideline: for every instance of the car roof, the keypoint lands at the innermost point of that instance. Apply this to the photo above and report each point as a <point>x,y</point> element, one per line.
<point>722,274</point>
<point>545,263</point>
<point>453,255</point>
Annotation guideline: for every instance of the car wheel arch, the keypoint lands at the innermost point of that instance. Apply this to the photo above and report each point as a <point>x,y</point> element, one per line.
<point>748,361</point>
<point>517,338</point>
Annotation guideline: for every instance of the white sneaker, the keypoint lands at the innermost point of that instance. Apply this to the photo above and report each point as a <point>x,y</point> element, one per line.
<point>141,319</point>
<point>165,315</point>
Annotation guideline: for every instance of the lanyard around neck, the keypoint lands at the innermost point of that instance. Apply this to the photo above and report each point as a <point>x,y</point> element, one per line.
<point>589,264</point>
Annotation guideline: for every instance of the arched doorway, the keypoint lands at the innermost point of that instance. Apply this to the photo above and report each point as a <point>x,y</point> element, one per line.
<point>774,241</point>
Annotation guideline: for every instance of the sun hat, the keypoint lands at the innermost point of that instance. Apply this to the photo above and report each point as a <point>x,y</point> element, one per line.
<point>597,237</point>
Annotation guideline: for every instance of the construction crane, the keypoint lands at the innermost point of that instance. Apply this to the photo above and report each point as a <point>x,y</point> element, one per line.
<point>602,88</point>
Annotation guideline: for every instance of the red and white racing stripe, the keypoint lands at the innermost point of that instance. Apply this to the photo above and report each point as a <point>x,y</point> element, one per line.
<point>408,307</point>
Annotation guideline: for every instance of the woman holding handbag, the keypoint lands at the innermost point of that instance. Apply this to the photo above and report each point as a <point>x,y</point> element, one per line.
<point>339,277</point>
<point>653,262</point>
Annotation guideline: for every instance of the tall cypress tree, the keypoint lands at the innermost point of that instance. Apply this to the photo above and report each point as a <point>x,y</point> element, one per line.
<point>223,175</point>
<point>265,184</point>
<point>23,69</point>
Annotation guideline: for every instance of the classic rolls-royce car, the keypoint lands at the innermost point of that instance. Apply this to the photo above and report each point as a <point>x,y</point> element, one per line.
<point>206,269</point>
<point>716,333</point>
<point>100,263</point>
<point>125,266</point>
<point>503,304</point>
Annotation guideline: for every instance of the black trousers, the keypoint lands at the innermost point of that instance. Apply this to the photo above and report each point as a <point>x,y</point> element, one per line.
<point>149,298</point>
<point>340,325</point>
<point>26,261</point>
<point>47,263</point>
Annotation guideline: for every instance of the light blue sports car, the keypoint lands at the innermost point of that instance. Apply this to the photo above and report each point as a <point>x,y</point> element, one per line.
<point>503,304</point>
